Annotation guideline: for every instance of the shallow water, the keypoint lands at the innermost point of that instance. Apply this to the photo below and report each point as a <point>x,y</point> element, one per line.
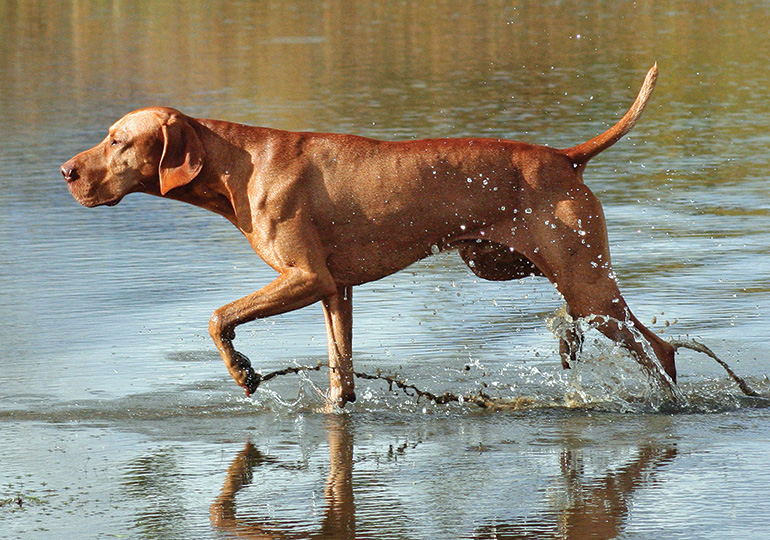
<point>118,418</point>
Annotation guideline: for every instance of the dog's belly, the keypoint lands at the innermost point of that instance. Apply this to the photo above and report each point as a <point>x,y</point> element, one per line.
<point>369,263</point>
<point>372,247</point>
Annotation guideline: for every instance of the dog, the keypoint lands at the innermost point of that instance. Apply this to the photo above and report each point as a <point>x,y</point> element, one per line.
<point>332,211</point>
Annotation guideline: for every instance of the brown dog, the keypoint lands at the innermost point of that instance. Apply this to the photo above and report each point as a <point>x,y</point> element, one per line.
<point>330,211</point>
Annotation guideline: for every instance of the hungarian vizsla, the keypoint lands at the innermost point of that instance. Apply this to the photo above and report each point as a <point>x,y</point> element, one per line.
<point>330,211</point>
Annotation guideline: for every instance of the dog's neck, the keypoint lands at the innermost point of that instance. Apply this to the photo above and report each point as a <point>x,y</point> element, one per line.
<point>220,187</point>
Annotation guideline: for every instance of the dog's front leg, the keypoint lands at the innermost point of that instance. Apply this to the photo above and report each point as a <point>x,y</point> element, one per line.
<point>293,289</point>
<point>338,313</point>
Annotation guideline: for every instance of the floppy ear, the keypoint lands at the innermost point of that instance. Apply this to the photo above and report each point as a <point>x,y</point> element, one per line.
<point>183,154</point>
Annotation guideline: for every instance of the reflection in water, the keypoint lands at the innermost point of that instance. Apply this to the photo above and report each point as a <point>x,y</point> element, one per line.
<point>339,522</point>
<point>592,508</point>
<point>156,479</point>
<point>595,508</point>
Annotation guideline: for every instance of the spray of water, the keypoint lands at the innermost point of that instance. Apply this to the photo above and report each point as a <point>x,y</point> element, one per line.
<point>605,377</point>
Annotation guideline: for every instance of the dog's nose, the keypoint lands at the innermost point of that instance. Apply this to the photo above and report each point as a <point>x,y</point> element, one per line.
<point>69,172</point>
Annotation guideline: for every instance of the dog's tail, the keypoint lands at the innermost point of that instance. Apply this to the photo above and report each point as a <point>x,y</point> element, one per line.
<point>581,153</point>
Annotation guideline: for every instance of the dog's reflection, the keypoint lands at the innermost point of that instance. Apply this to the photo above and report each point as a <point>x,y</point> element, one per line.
<point>588,506</point>
<point>339,522</point>
<point>595,508</point>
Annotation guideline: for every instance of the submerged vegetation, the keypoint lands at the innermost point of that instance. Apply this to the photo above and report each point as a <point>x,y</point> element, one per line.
<point>18,500</point>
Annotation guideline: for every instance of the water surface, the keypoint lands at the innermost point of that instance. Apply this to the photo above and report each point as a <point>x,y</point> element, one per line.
<point>118,418</point>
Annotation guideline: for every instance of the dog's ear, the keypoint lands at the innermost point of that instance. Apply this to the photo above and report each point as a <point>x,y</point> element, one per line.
<point>183,154</point>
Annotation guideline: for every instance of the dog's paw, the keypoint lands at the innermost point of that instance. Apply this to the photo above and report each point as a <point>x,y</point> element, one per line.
<point>252,382</point>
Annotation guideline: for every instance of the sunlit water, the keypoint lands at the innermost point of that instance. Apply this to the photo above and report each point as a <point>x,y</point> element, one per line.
<point>118,418</point>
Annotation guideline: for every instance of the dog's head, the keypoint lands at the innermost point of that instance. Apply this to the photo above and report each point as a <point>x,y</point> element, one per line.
<point>151,150</point>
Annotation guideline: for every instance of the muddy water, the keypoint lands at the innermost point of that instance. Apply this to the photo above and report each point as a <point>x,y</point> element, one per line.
<point>117,417</point>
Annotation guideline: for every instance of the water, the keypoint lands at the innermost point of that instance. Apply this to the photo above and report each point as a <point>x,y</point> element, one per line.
<point>118,418</point>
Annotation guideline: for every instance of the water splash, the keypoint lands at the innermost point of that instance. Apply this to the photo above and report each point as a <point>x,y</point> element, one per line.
<point>310,397</point>
<point>605,377</point>
<point>655,386</point>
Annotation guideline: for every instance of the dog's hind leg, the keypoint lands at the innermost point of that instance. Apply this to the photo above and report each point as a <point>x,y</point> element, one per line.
<point>571,343</point>
<point>565,237</point>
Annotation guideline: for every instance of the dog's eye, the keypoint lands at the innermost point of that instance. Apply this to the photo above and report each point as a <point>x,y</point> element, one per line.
<point>114,142</point>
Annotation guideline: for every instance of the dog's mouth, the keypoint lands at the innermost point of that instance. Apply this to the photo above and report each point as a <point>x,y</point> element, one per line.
<point>88,198</point>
